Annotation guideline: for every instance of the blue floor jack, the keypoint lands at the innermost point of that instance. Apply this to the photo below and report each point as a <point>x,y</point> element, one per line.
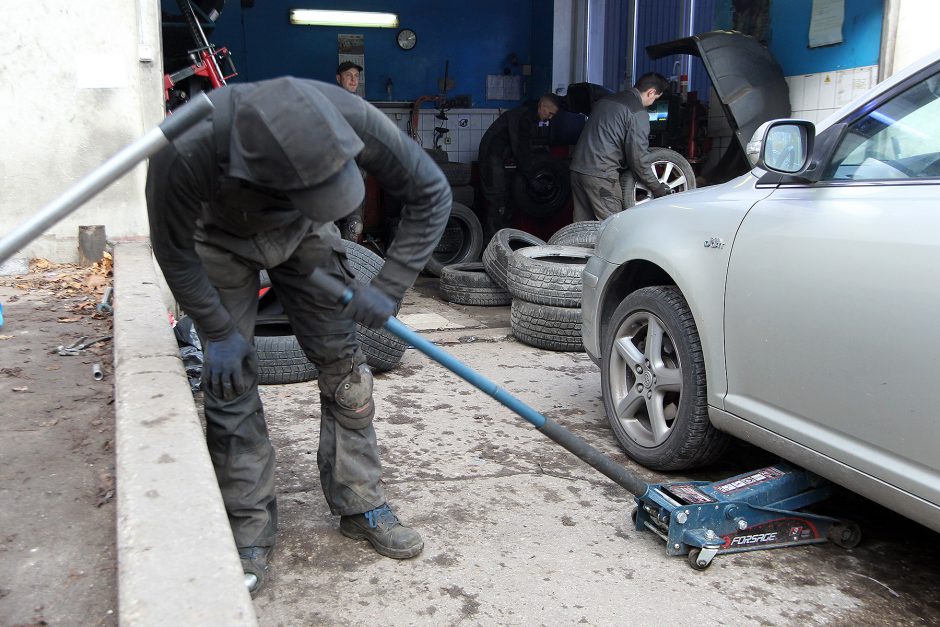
<point>699,519</point>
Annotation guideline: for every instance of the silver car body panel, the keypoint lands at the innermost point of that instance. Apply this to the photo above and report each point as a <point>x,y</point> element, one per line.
<point>825,246</point>
<point>695,255</point>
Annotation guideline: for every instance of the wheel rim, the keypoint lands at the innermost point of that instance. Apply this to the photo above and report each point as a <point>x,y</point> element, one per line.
<point>645,379</point>
<point>667,172</point>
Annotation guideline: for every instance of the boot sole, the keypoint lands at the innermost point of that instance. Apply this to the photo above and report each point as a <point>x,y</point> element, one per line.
<point>398,554</point>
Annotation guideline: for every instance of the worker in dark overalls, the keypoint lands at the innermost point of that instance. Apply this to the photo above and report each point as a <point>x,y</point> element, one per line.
<point>259,186</point>
<point>511,137</point>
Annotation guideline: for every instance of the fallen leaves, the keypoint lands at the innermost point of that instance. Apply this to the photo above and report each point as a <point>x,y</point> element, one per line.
<point>83,288</point>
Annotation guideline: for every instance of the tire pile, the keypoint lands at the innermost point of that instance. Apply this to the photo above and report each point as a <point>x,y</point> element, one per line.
<point>540,280</point>
<point>282,360</point>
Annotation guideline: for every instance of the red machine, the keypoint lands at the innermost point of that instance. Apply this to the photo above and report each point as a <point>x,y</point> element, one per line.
<point>210,67</point>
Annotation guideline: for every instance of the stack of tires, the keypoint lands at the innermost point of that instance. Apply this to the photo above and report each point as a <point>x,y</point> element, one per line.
<point>541,281</point>
<point>462,241</point>
<point>545,283</point>
<point>280,357</point>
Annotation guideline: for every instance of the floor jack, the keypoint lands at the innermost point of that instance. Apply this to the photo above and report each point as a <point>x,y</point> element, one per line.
<point>699,519</point>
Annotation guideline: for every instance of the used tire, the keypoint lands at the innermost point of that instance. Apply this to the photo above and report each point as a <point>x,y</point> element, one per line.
<point>469,284</point>
<point>546,190</point>
<point>653,382</point>
<point>582,234</point>
<point>464,194</point>
<point>282,360</point>
<point>465,229</point>
<point>548,275</point>
<point>438,155</point>
<point>457,173</point>
<point>501,247</point>
<point>382,348</point>
<point>544,326</point>
<point>670,168</point>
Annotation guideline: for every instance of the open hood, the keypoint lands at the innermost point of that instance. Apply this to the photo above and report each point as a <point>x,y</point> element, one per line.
<point>746,77</point>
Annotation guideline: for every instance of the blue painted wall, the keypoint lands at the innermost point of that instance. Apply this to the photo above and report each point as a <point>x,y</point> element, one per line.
<point>789,36</point>
<point>476,38</point>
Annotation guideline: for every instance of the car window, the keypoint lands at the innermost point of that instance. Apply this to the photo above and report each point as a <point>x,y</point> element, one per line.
<point>898,140</point>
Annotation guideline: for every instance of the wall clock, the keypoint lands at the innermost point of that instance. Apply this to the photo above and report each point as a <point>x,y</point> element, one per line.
<point>407,39</point>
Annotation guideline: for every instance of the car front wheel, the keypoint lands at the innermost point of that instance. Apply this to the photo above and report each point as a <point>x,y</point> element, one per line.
<point>653,382</point>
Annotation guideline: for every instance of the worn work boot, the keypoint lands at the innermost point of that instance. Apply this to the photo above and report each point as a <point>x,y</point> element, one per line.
<point>382,528</point>
<point>255,566</point>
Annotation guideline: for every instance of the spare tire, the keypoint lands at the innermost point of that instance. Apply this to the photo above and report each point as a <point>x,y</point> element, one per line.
<point>576,234</point>
<point>282,360</point>
<point>469,284</point>
<point>461,242</point>
<point>548,275</point>
<point>669,167</point>
<point>504,243</point>
<point>547,188</point>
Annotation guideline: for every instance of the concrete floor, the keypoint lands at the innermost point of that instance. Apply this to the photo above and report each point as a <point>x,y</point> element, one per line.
<point>520,532</point>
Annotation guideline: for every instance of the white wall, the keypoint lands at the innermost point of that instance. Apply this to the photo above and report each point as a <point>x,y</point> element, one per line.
<point>76,93</point>
<point>916,32</point>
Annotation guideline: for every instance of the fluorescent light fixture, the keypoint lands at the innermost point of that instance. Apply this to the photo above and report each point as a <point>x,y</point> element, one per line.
<point>317,17</point>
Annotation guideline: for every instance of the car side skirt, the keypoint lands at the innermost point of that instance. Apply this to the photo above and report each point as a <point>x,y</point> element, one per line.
<point>904,503</point>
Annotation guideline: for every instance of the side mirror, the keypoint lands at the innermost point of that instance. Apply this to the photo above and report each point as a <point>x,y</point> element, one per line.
<point>786,146</point>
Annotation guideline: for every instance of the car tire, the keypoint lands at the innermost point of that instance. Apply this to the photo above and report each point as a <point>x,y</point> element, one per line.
<point>464,194</point>
<point>457,173</point>
<point>670,385</point>
<point>546,191</point>
<point>501,247</point>
<point>469,284</point>
<point>437,155</point>
<point>669,166</point>
<point>544,326</point>
<point>582,234</point>
<point>462,240</point>
<point>548,275</point>
<point>281,360</point>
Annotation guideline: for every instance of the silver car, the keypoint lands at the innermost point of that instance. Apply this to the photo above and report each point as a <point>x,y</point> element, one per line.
<point>794,307</point>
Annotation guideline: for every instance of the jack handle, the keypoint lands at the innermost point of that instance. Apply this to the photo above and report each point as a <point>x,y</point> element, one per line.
<point>618,474</point>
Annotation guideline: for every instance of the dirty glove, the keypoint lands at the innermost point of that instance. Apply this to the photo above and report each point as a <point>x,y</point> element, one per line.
<point>370,306</point>
<point>662,190</point>
<point>224,361</point>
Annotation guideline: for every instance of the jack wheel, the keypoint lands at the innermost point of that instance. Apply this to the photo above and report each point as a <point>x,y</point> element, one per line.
<point>634,514</point>
<point>694,561</point>
<point>845,534</point>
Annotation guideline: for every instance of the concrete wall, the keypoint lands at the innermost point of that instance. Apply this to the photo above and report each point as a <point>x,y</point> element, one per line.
<point>82,80</point>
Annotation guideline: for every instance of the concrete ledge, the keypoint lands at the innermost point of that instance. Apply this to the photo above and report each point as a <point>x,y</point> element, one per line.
<point>177,561</point>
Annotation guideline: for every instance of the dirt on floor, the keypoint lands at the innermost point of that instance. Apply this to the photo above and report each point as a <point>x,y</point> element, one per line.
<point>57,520</point>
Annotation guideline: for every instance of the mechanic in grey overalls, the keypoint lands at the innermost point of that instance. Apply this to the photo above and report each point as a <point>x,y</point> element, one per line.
<point>615,138</point>
<point>259,186</point>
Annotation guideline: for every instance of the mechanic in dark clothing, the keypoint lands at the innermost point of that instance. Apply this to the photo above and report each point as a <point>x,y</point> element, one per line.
<point>259,185</point>
<point>615,137</point>
<point>511,136</point>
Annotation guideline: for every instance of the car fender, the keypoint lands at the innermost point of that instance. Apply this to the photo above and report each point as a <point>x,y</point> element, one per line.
<point>687,236</point>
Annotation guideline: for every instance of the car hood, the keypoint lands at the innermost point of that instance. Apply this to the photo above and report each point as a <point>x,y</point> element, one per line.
<point>746,77</point>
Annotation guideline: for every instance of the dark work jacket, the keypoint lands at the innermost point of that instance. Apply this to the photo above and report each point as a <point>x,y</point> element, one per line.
<point>187,187</point>
<point>616,137</point>
<point>513,134</point>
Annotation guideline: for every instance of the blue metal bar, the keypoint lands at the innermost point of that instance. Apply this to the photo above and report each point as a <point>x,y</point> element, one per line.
<point>577,446</point>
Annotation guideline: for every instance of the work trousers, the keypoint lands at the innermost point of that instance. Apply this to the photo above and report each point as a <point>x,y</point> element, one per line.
<point>595,198</point>
<point>236,431</point>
